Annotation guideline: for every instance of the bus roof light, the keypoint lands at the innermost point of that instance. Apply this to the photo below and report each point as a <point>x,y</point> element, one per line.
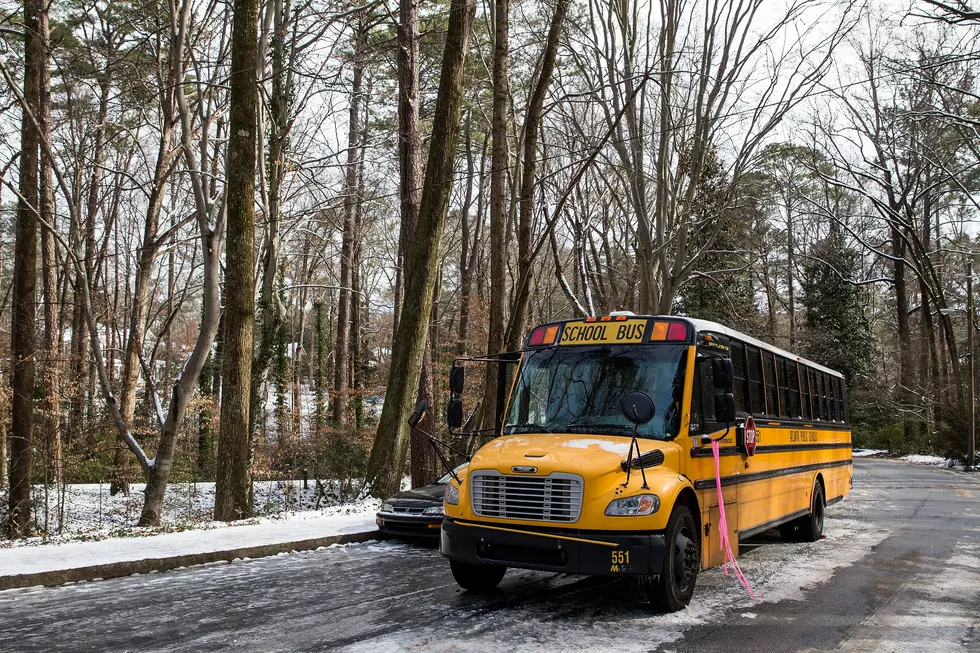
<point>605,318</point>
<point>659,331</point>
<point>545,335</point>
<point>677,331</point>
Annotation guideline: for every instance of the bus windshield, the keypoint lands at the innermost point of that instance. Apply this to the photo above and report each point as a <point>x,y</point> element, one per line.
<point>580,389</point>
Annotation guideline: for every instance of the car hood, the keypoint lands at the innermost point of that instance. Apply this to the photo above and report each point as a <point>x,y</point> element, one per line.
<point>427,493</point>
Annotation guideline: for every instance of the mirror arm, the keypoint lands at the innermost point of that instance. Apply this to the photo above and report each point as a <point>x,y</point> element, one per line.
<point>442,457</point>
<point>629,460</point>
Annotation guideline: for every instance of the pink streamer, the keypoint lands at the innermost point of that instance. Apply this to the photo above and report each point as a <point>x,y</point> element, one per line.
<point>726,546</point>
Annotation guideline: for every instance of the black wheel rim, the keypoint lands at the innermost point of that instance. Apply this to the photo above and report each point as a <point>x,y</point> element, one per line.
<point>685,559</point>
<point>818,512</point>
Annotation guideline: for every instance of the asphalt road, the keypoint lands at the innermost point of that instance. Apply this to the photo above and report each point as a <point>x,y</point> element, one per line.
<point>899,570</point>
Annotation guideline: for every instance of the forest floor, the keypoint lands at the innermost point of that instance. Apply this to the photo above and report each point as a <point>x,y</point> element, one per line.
<point>87,512</point>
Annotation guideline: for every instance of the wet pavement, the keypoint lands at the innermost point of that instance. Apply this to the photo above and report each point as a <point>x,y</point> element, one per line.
<point>899,570</point>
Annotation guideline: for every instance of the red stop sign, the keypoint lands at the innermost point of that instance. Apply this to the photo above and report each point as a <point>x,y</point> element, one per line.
<point>750,435</point>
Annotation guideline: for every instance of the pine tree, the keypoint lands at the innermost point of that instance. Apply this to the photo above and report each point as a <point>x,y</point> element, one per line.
<point>721,287</point>
<point>836,331</point>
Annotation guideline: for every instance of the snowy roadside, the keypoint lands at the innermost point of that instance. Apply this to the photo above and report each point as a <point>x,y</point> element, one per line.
<point>915,459</point>
<point>54,564</point>
<point>87,511</point>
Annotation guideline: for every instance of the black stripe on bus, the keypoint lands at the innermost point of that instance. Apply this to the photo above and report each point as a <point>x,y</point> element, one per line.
<point>707,483</point>
<point>774,422</point>
<point>705,452</point>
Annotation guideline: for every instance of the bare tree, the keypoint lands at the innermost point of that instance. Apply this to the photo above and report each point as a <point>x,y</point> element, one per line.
<point>233,490</point>
<point>391,441</point>
<point>22,338</point>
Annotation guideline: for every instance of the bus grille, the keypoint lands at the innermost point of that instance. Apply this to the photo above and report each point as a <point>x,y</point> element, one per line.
<point>555,498</point>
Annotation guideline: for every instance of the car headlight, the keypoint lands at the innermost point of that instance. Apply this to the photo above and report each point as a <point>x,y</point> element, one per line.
<point>434,510</point>
<point>386,507</point>
<point>641,504</point>
<point>452,495</point>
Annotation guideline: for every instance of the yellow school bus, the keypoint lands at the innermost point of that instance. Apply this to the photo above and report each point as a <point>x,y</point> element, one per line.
<point>577,482</point>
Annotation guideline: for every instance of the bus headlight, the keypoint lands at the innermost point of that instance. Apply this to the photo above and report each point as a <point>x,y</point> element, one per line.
<point>641,504</point>
<point>452,495</point>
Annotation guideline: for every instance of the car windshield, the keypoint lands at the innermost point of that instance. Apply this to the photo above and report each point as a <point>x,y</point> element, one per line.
<point>580,389</point>
<point>446,477</point>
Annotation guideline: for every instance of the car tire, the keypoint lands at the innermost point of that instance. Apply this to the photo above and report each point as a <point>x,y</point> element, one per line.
<point>671,590</point>
<point>808,528</point>
<point>477,578</point>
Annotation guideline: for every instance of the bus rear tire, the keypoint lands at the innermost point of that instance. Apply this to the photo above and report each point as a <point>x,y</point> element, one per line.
<point>480,579</point>
<point>808,528</point>
<point>673,588</point>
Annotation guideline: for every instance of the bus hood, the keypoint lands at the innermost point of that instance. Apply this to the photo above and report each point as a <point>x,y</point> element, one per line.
<point>586,455</point>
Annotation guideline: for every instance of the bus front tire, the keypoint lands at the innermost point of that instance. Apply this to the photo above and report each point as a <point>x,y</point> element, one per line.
<point>477,578</point>
<point>673,588</point>
<point>808,528</point>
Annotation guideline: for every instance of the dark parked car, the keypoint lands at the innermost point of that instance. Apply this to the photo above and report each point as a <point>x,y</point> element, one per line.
<point>414,513</point>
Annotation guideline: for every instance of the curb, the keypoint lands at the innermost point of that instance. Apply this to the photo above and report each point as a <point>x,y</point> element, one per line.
<point>130,567</point>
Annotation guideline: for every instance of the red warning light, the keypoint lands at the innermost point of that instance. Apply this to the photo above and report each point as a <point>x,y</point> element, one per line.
<point>677,331</point>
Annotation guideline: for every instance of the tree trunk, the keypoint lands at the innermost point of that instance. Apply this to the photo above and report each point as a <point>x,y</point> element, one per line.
<point>499,164</point>
<point>532,128</point>
<point>51,413</point>
<point>391,442</point>
<point>904,336</point>
<point>466,258</point>
<point>790,263</point>
<point>232,498</point>
<point>81,336</point>
<point>280,106</point>
<point>409,141</point>
<point>342,350</point>
<point>141,299</point>
<point>22,340</point>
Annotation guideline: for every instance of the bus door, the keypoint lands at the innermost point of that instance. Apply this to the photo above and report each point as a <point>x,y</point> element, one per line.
<point>710,393</point>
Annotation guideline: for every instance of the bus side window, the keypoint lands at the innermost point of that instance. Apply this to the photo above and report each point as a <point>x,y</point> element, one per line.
<point>754,357</point>
<point>739,388</point>
<point>842,396</point>
<point>706,376</point>
<point>697,425</point>
<point>783,377</point>
<point>805,390</point>
<point>814,393</point>
<point>832,398</point>
<point>824,410</point>
<point>794,389</point>
<point>769,367</point>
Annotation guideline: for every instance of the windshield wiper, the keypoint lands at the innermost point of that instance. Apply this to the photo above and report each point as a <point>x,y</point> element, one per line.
<point>527,428</point>
<point>619,428</point>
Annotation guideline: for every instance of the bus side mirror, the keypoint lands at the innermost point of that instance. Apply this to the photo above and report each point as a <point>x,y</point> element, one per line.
<point>725,408</point>
<point>418,413</point>
<point>454,414</point>
<point>638,407</point>
<point>722,373</point>
<point>457,376</point>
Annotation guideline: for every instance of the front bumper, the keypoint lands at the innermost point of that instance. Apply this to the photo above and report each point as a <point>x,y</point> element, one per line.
<point>590,553</point>
<point>403,525</point>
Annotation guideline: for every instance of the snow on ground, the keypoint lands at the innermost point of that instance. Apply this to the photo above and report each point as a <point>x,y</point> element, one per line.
<point>861,453</point>
<point>939,461</point>
<point>296,527</point>
<point>777,572</point>
<point>91,513</point>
